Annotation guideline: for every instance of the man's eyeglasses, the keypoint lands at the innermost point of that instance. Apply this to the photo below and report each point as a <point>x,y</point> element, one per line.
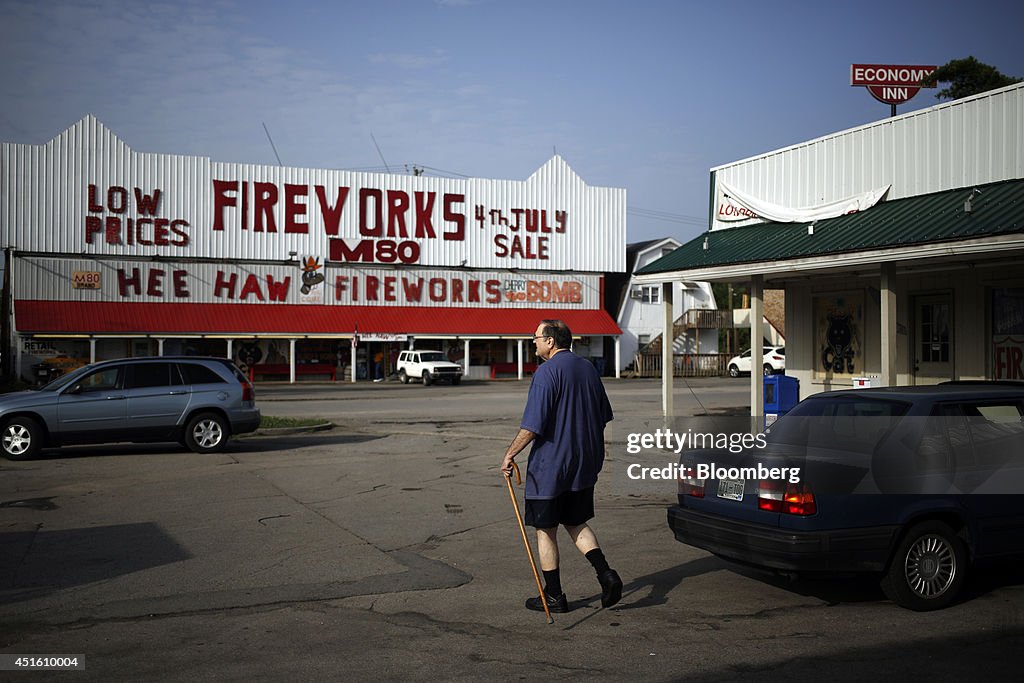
<point>541,336</point>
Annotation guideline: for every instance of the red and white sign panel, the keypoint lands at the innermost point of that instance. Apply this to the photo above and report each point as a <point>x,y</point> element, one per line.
<point>890,83</point>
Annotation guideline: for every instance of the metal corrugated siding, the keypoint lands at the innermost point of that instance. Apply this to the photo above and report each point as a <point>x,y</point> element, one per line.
<point>45,201</point>
<point>970,141</point>
<point>939,217</point>
<point>65,317</point>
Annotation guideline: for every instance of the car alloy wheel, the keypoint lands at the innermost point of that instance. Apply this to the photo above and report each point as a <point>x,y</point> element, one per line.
<point>930,566</point>
<point>928,569</point>
<point>21,438</point>
<point>768,370</point>
<point>206,433</point>
<point>734,371</point>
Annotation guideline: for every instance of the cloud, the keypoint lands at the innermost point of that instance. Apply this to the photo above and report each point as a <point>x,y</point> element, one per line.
<point>410,61</point>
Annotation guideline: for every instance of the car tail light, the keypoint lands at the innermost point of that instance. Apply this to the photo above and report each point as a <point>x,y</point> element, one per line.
<point>769,495</point>
<point>248,391</point>
<point>799,500</point>
<point>789,499</point>
<point>691,486</point>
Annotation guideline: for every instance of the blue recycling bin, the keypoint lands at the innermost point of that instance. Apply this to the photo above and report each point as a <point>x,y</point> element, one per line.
<point>781,393</point>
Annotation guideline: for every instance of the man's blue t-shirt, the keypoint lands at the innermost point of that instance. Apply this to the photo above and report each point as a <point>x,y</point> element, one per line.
<point>567,409</point>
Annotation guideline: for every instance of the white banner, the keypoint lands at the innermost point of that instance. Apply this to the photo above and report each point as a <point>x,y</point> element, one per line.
<point>732,205</point>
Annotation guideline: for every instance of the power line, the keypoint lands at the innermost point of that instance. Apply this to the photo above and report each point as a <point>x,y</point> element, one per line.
<point>666,216</point>
<point>379,152</point>
<point>272,145</point>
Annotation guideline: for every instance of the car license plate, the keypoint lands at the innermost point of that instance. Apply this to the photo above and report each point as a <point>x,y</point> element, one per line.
<point>732,489</point>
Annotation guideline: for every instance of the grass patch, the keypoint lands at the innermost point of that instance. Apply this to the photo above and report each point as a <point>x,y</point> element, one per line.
<point>271,422</point>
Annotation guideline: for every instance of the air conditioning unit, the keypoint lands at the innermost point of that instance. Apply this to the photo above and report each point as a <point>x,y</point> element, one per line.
<point>636,294</point>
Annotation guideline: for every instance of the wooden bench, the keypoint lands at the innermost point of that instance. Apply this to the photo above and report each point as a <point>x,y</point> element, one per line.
<point>301,369</point>
<point>512,368</point>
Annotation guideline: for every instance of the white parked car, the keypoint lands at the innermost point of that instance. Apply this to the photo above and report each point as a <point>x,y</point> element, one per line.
<point>774,361</point>
<point>430,366</point>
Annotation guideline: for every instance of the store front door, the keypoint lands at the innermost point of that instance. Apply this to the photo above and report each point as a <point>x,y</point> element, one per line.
<point>932,348</point>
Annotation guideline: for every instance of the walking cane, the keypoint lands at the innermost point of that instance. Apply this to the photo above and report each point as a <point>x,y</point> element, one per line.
<point>526,542</point>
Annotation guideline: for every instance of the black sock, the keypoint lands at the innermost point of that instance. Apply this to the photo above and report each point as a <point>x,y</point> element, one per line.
<point>552,583</point>
<point>597,561</point>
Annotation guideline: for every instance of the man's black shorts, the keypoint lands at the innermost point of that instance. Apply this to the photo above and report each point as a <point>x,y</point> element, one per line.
<point>572,508</point>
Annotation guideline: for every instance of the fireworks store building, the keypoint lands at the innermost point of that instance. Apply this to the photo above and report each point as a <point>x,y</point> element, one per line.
<point>292,272</point>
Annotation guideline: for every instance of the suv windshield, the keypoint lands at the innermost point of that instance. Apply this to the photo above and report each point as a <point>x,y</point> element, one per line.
<point>431,356</point>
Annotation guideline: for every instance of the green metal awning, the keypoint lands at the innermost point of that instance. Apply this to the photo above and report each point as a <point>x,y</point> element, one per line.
<point>898,226</point>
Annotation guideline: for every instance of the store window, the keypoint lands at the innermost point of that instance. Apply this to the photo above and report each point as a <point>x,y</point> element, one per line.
<point>1008,333</point>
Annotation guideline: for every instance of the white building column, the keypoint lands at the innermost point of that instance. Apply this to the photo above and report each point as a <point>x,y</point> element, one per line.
<point>465,358</point>
<point>756,345</point>
<point>291,361</point>
<point>519,358</point>
<point>352,359</point>
<point>888,325</point>
<point>230,349</point>
<point>160,346</point>
<point>92,349</point>
<point>667,342</point>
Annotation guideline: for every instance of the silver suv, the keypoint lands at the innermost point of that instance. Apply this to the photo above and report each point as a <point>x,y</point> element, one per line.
<point>430,366</point>
<point>198,402</point>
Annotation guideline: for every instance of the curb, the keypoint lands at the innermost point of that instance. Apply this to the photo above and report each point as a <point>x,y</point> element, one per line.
<point>283,431</point>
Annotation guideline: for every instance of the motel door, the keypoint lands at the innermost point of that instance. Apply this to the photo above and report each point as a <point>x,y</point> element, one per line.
<point>932,350</point>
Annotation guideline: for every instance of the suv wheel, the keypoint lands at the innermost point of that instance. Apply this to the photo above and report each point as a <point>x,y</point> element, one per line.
<point>734,371</point>
<point>207,433</point>
<point>426,378</point>
<point>403,377</point>
<point>456,380</point>
<point>928,569</point>
<point>22,438</point>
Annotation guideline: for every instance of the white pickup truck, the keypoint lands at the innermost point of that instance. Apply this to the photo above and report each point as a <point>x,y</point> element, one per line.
<point>430,366</point>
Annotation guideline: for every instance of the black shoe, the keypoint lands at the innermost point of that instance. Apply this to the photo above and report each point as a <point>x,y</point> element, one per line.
<point>611,587</point>
<point>559,604</point>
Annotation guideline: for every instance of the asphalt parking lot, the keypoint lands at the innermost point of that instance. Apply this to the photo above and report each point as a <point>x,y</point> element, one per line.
<point>386,548</point>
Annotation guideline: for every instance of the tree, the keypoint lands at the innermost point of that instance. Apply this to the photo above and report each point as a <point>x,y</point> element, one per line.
<point>967,77</point>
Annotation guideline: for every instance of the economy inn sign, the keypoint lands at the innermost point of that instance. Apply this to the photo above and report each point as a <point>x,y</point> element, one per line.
<point>890,83</point>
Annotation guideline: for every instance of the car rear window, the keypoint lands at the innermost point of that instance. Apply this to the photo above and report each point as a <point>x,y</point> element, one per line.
<point>200,374</point>
<point>852,423</point>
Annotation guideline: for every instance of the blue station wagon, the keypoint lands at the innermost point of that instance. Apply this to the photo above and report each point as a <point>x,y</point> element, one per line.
<point>198,402</point>
<point>915,484</point>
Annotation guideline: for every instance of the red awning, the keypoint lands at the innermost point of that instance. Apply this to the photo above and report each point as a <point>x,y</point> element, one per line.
<point>78,317</point>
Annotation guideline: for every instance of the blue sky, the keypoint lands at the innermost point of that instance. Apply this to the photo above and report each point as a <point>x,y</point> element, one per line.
<point>646,95</point>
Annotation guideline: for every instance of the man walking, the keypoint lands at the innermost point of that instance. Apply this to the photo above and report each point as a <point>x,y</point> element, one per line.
<point>566,412</point>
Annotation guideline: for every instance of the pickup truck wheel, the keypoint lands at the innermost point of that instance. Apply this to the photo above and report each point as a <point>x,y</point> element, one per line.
<point>426,378</point>
<point>403,377</point>
<point>22,438</point>
<point>928,569</point>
